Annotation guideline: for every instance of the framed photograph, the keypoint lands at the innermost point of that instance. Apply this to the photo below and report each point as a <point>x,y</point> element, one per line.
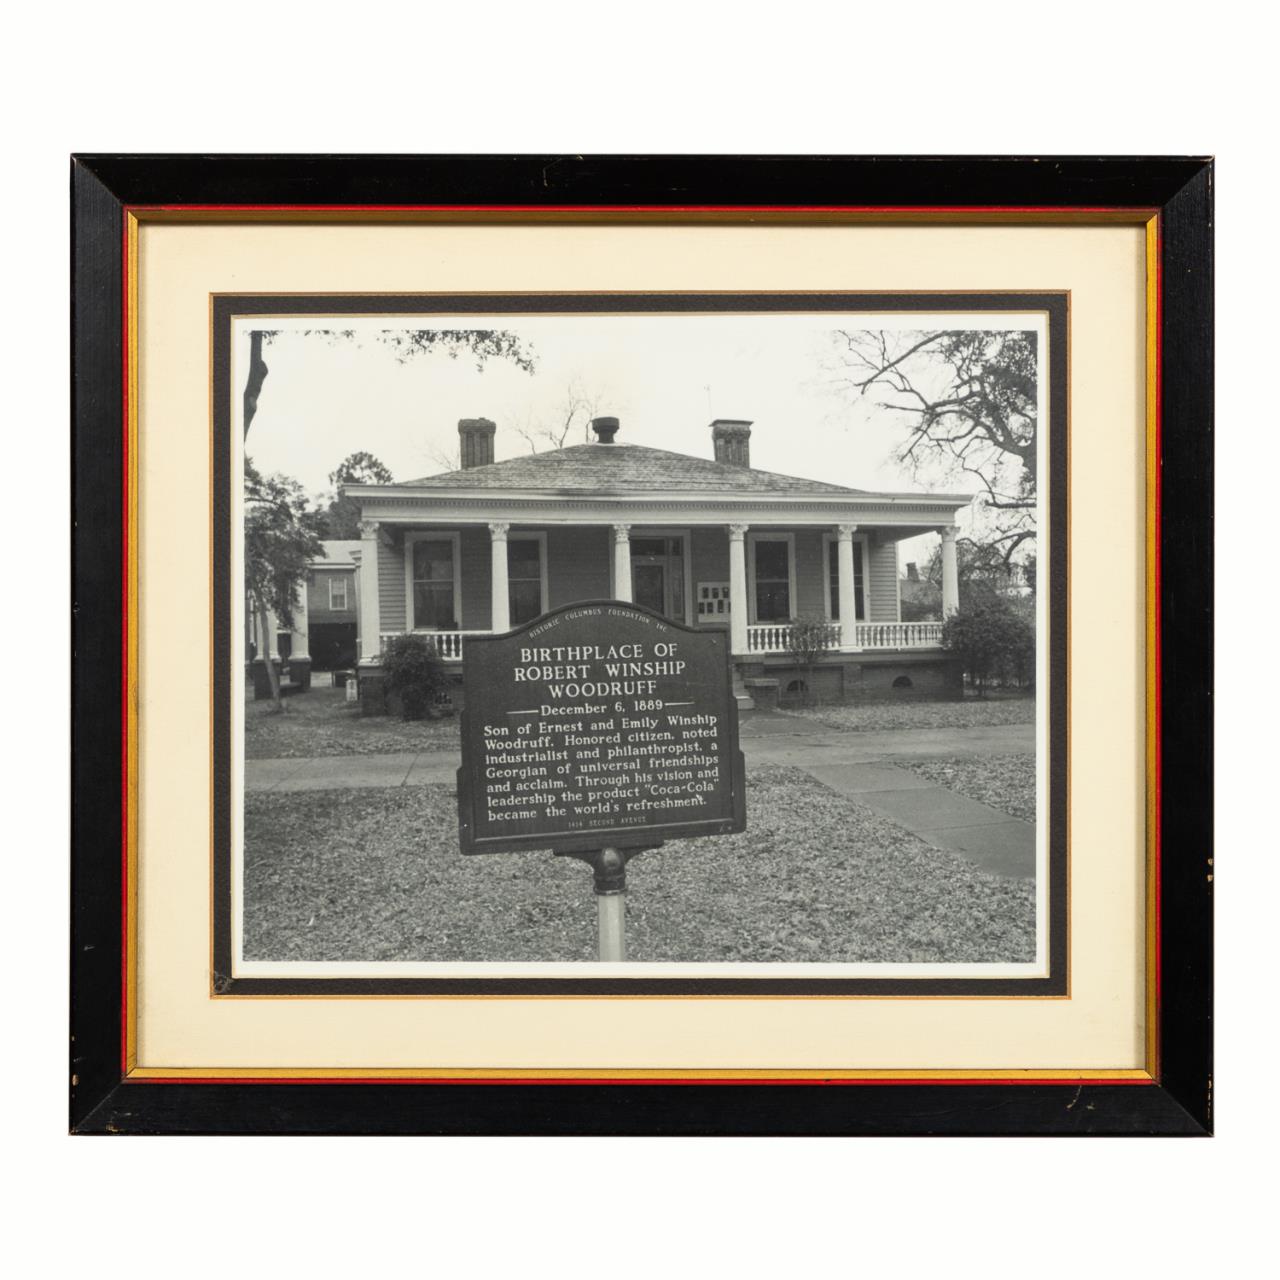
<point>676,647</point>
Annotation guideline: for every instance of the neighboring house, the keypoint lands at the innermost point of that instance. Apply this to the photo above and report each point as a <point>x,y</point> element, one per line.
<point>325,635</point>
<point>332,614</point>
<point>709,542</point>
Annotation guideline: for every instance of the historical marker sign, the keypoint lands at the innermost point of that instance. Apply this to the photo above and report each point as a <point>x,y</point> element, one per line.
<point>599,724</point>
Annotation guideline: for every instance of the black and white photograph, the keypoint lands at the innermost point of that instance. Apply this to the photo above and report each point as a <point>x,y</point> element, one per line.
<point>656,638</point>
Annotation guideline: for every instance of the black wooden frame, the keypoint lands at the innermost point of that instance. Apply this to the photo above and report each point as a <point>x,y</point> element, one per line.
<point>1177,1101</point>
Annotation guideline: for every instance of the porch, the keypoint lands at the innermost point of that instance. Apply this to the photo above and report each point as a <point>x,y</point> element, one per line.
<point>763,639</point>
<point>451,581</point>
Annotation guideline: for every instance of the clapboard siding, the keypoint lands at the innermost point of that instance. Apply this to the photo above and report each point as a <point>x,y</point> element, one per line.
<point>810,601</point>
<point>391,582</point>
<point>578,564</point>
<point>710,555</point>
<point>474,559</point>
<point>882,589</point>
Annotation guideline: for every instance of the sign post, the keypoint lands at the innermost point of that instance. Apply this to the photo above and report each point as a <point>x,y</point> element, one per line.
<point>598,730</point>
<point>609,874</point>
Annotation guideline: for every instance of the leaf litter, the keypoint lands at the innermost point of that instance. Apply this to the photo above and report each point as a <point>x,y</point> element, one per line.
<point>376,874</point>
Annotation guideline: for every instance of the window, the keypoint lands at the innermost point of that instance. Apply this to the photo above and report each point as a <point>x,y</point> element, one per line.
<point>773,579</point>
<point>338,593</point>
<point>434,584</point>
<point>833,581</point>
<point>524,578</point>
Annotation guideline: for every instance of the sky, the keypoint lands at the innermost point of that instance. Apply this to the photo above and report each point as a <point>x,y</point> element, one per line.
<point>665,377</point>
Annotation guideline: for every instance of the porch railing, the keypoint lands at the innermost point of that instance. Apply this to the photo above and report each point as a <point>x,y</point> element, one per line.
<point>448,643</point>
<point>762,638</point>
<point>774,637</point>
<point>899,635</point>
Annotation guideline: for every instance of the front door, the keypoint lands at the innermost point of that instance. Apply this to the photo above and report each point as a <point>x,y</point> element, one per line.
<point>657,575</point>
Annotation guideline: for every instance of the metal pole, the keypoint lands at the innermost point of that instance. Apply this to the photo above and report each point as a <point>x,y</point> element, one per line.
<point>611,910</point>
<point>609,875</point>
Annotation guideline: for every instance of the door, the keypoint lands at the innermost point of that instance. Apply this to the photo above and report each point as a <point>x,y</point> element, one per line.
<point>657,575</point>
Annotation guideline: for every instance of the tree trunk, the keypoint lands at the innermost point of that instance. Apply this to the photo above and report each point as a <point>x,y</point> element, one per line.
<point>273,676</point>
<point>257,376</point>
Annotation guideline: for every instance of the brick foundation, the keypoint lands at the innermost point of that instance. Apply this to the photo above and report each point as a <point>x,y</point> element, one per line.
<point>852,678</point>
<point>763,691</point>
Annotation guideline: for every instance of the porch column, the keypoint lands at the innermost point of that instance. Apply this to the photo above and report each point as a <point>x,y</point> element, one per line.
<point>370,612</point>
<point>272,647</point>
<point>301,647</point>
<point>355,587</point>
<point>738,599</point>
<point>499,588</point>
<point>848,598</point>
<point>950,578</point>
<point>622,561</point>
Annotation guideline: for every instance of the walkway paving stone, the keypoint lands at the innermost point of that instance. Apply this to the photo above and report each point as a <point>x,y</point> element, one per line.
<point>1005,848</point>
<point>931,808</point>
<point>993,840</point>
<point>856,779</point>
<point>434,766</point>
<point>268,775</point>
<point>329,773</point>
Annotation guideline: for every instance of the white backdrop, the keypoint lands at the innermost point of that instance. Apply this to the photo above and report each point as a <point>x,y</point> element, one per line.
<point>1008,78</point>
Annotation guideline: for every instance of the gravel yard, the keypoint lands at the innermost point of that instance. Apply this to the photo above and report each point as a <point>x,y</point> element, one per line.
<point>970,713</point>
<point>1005,782</point>
<point>321,722</point>
<point>376,875</point>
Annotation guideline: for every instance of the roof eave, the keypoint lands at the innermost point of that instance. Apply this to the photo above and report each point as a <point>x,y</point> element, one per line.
<point>727,497</point>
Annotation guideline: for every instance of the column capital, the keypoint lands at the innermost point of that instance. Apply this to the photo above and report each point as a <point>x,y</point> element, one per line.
<point>498,529</point>
<point>737,532</point>
<point>846,531</point>
<point>369,528</point>
<point>621,532</point>
<point>948,532</point>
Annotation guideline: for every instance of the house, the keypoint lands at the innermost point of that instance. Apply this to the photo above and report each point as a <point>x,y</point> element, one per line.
<point>325,634</point>
<point>707,541</point>
<point>332,607</point>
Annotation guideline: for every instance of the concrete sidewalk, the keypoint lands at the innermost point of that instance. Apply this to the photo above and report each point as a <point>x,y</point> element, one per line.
<point>801,748</point>
<point>830,746</point>
<point>993,840</point>
<point>330,773</point>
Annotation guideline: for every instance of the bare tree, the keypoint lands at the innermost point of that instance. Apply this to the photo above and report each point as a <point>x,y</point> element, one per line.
<point>568,423</point>
<point>968,401</point>
<point>438,456</point>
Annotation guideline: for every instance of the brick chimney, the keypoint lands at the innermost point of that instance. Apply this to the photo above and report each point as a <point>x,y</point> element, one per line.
<point>605,429</point>
<point>476,441</point>
<point>732,438</point>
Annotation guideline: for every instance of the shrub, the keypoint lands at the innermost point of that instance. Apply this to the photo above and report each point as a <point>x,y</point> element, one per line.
<point>992,640</point>
<point>415,675</point>
<point>807,638</point>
